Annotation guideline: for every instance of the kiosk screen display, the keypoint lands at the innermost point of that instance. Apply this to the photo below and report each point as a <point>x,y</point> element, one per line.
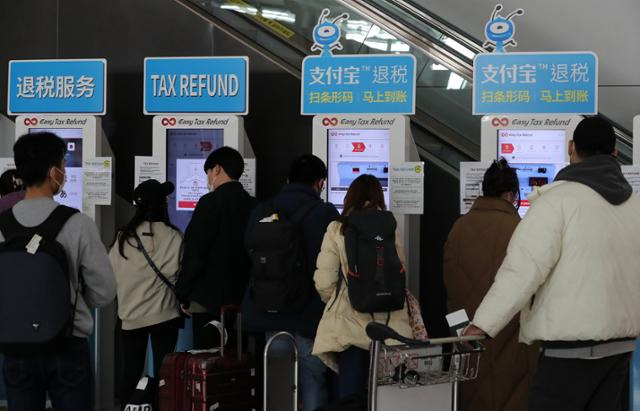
<point>352,153</point>
<point>187,150</point>
<point>537,156</point>
<point>71,195</point>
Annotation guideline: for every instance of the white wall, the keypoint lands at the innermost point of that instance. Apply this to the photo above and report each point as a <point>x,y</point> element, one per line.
<point>609,28</point>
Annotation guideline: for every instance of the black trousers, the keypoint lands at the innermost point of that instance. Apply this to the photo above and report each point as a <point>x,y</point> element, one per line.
<point>134,348</point>
<point>576,385</point>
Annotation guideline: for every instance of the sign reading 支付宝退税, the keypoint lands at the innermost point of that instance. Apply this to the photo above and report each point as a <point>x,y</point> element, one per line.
<point>517,83</point>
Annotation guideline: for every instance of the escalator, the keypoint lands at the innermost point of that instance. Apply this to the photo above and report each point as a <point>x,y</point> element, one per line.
<point>444,128</point>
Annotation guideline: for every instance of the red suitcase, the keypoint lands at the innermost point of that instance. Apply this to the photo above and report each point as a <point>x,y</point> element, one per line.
<point>204,382</point>
<point>172,383</point>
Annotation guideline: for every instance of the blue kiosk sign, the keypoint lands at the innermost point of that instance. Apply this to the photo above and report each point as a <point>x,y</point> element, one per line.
<point>57,86</point>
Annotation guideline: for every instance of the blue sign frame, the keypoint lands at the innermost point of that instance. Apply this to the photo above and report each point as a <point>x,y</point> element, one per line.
<point>358,84</point>
<point>196,85</point>
<point>545,83</point>
<point>74,86</point>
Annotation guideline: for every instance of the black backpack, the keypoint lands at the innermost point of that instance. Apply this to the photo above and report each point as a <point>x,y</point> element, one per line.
<point>35,292</point>
<point>280,277</point>
<point>376,277</point>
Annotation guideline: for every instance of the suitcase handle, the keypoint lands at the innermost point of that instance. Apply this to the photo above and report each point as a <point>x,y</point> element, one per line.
<point>265,364</point>
<point>223,311</point>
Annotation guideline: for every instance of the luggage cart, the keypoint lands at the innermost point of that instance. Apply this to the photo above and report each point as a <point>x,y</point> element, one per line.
<point>419,374</point>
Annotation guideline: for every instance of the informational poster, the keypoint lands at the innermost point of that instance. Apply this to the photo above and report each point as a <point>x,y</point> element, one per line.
<point>6,163</point>
<point>537,156</point>
<point>97,176</point>
<point>71,193</point>
<point>147,168</point>
<point>191,183</point>
<point>407,188</point>
<point>352,153</point>
<point>632,174</point>
<point>471,176</point>
<point>248,178</point>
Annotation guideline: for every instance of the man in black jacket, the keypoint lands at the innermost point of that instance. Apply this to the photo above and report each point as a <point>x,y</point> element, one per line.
<point>215,267</point>
<point>306,181</point>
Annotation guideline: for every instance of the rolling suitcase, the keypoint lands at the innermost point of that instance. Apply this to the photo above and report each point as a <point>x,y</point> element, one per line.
<point>209,381</point>
<point>172,383</point>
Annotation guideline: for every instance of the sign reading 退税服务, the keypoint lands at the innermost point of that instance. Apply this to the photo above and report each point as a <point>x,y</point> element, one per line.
<point>174,85</point>
<point>57,86</point>
<point>517,83</point>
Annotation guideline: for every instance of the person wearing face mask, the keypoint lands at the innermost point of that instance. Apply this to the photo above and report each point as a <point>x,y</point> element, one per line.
<point>61,371</point>
<point>215,266</point>
<point>476,246</point>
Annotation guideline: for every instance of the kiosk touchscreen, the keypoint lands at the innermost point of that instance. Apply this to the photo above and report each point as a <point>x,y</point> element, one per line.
<point>71,193</point>
<point>536,146</point>
<point>354,152</point>
<point>187,150</point>
<point>537,156</point>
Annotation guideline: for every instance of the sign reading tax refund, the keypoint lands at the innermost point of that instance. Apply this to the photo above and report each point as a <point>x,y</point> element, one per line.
<point>196,85</point>
<point>516,83</point>
<point>57,86</point>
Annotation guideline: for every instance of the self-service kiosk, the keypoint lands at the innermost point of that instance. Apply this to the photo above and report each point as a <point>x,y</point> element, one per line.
<point>85,140</point>
<point>536,146</point>
<point>352,145</point>
<point>181,144</point>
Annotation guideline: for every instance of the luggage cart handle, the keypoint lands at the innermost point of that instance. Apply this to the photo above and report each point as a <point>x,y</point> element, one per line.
<point>380,332</point>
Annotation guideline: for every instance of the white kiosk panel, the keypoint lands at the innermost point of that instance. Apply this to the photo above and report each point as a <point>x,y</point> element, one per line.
<point>536,146</point>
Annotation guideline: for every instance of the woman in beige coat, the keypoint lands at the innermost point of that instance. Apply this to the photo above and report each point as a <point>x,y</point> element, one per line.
<point>341,341</point>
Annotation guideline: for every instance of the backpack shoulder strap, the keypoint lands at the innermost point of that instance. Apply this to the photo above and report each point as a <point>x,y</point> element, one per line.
<point>52,226</point>
<point>9,226</point>
<point>303,211</point>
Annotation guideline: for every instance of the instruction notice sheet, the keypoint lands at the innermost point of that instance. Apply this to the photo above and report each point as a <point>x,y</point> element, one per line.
<point>148,168</point>
<point>248,178</point>
<point>632,174</point>
<point>97,173</point>
<point>471,176</point>
<point>407,188</point>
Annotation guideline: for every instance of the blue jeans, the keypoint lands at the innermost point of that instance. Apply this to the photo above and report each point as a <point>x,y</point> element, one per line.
<point>311,370</point>
<point>64,374</point>
<point>353,375</point>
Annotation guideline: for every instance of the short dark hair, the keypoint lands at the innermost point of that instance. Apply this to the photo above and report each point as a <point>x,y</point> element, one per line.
<point>594,136</point>
<point>499,179</point>
<point>35,154</point>
<point>307,169</point>
<point>229,159</point>
<point>10,182</point>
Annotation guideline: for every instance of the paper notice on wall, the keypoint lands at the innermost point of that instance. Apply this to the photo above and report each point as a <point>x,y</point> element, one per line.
<point>148,168</point>
<point>191,183</point>
<point>6,163</point>
<point>632,174</point>
<point>407,188</point>
<point>248,178</point>
<point>97,177</point>
<point>471,176</point>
